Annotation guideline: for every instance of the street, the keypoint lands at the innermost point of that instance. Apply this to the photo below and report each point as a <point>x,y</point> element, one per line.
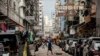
<point>43,51</point>
<point>65,27</point>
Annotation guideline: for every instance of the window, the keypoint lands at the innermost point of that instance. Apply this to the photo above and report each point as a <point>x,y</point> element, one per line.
<point>10,3</point>
<point>40,18</point>
<point>70,18</point>
<point>40,10</point>
<point>14,6</point>
<point>71,12</point>
<point>71,1</point>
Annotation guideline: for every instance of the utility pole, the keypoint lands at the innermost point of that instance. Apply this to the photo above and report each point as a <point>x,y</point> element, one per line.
<point>98,19</point>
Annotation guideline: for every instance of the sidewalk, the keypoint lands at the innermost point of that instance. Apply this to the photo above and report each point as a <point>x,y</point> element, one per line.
<point>43,51</point>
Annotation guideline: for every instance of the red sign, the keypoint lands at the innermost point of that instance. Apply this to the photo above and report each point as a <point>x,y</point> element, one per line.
<point>3,26</point>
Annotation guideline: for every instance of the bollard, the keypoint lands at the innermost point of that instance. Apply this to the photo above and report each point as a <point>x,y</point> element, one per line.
<point>25,50</point>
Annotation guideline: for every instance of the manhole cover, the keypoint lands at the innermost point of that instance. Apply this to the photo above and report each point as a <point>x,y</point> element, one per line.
<point>58,53</point>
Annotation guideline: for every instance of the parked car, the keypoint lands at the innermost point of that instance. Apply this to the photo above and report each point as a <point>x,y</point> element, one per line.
<point>70,46</point>
<point>94,46</point>
<point>94,38</point>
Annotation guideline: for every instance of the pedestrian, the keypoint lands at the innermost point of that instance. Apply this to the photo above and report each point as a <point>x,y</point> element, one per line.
<point>81,50</point>
<point>80,43</point>
<point>63,44</point>
<point>85,49</point>
<point>36,46</point>
<point>25,36</point>
<point>49,45</point>
<point>66,48</point>
<point>99,50</point>
<point>75,50</point>
<point>44,44</point>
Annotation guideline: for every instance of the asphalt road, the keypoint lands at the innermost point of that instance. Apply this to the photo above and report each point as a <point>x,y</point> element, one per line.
<point>43,51</point>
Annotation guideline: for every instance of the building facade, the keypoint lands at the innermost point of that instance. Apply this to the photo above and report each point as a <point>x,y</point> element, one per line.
<point>38,16</point>
<point>18,14</point>
<point>13,13</point>
<point>57,18</point>
<point>41,14</point>
<point>98,18</point>
<point>73,11</point>
<point>47,26</point>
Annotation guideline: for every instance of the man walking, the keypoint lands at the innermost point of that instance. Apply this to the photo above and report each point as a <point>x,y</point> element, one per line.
<point>49,45</point>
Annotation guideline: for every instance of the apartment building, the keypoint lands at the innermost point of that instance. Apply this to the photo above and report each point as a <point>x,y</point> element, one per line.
<point>41,14</point>
<point>12,13</point>
<point>98,18</point>
<point>73,11</point>
<point>19,14</point>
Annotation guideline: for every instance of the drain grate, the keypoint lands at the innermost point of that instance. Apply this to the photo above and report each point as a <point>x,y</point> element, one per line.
<point>58,53</point>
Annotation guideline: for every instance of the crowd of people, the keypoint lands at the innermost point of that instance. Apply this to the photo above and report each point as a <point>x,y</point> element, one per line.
<point>44,42</point>
<point>80,48</point>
